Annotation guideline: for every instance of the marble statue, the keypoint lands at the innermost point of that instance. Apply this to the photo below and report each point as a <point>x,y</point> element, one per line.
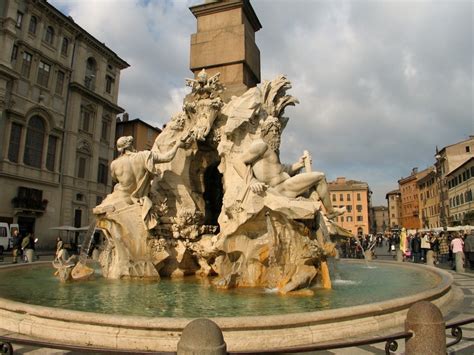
<point>212,198</point>
<point>127,215</point>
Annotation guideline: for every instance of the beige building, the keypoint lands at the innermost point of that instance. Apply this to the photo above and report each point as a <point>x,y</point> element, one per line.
<point>58,103</point>
<point>143,134</point>
<point>448,159</point>
<point>380,220</point>
<point>429,201</point>
<point>410,198</point>
<point>394,203</point>
<point>460,182</point>
<point>355,196</point>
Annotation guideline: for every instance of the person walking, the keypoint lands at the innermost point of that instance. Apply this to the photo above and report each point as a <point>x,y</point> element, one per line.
<point>457,247</point>
<point>416,248</point>
<point>469,249</point>
<point>443,247</point>
<point>425,246</point>
<point>16,245</point>
<point>434,241</point>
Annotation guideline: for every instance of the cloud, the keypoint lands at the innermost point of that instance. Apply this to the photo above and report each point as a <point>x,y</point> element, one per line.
<point>381,83</point>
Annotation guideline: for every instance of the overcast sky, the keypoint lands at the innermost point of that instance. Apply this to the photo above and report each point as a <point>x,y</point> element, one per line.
<point>380,83</point>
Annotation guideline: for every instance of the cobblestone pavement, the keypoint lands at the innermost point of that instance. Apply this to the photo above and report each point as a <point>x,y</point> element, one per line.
<point>464,309</point>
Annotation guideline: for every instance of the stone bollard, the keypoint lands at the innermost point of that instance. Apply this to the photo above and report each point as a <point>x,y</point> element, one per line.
<point>202,336</point>
<point>30,255</point>
<point>459,261</point>
<point>430,258</point>
<point>368,255</point>
<point>426,323</point>
<point>399,255</point>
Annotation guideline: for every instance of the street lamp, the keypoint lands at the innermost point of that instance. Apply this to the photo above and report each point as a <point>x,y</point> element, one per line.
<point>439,176</point>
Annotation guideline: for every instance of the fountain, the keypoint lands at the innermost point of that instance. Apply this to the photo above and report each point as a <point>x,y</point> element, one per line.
<point>211,200</point>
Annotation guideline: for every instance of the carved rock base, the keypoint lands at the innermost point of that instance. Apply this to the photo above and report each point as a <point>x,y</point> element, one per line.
<point>280,256</point>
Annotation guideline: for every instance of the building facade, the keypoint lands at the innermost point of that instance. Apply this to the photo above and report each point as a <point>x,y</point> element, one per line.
<point>395,209</point>
<point>58,103</point>
<point>355,197</point>
<point>410,198</point>
<point>143,134</point>
<point>460,182</point>
<point>429,201</point>
<point>448,159</point>
<point>380,221</point>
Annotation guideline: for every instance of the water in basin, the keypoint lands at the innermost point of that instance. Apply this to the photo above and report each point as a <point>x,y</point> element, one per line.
<point>353,284</point>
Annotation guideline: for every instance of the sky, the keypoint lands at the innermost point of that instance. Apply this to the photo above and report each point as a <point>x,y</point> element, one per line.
<point>380,83</point>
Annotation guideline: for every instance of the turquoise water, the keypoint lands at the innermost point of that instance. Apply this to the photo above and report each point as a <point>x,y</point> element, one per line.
<point>353,284</point>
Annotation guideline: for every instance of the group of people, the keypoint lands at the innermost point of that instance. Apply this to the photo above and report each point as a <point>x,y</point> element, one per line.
<point>415,247</point>
<point>445,246</point>
<point>23,246</point>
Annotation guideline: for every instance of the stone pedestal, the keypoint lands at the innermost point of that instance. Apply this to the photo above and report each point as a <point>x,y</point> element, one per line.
<point>430,258</point>
<point>399,256</point>
<point>459,257</point>
<point>225,43</point>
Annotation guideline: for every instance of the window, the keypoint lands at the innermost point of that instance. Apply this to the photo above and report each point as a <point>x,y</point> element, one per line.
<point>348,197</point>
<point>349,219</point>
<point>461,197</point>
<point>59,83</point>
<point>65,46</point>
<point>359,208</point>
<point>468,149</point>
<point>81,167</point>
<point>34,142</point>
<point>14,147</point>
<point>360,218</point>
<point>51,154</point>
<point>102,173</point>
<point>86,119</point>
<point>349,208</point>
<point>333,197</point>
<point>108,84</point>
<point>43,73</point>
<point>341,197</point>
<point>105,130</point>
<point>89,80</point>
<point>26,65</point>
<point>14,53</point>
<point>98,200</point>
<point>358,196</point>
<point>49,35</point>
<point>33,25</point>
<point>19,19</point>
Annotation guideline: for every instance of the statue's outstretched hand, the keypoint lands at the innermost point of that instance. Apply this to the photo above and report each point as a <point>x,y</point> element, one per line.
<point>257,187</point>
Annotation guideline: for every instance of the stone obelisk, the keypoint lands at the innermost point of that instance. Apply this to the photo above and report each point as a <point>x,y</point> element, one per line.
<point>225,43</point>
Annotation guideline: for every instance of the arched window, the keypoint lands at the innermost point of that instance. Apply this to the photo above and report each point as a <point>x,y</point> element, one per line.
<point>91,68</point>
<point>34,142</point>
<point>49,35</point>
<point>33,24</point>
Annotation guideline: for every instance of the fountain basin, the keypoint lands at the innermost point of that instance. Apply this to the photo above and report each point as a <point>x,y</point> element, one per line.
<point>244,333</point>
